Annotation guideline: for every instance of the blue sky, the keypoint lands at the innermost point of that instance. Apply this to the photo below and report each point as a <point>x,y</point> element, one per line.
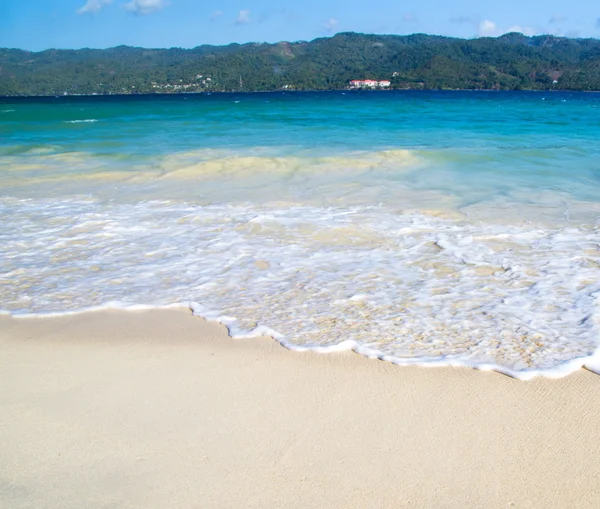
<point>42,24</point>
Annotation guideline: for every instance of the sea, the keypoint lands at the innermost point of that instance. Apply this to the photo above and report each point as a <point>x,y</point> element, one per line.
<point>421,228</point>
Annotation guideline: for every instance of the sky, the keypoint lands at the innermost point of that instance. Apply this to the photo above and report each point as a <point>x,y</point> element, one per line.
<point>42,24</point>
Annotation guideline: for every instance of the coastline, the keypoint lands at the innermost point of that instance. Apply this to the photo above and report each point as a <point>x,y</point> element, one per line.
<point>10,98</point>
<point>589,363</point>
<point>162,409</point>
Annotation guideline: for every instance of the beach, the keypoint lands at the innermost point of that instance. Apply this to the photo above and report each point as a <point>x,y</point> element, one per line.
<point>163,409</point>
<point>286,299</point>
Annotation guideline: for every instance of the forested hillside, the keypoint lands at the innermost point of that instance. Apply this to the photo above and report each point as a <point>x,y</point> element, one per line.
<point>510,62</point>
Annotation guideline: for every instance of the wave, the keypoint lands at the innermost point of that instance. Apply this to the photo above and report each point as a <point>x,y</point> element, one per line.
<point>83,121</point>
<point>408,288</point>
<point>256,173</point>
<point>590,362</point>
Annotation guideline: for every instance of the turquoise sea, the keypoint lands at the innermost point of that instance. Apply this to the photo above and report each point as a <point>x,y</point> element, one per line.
<point>453,228</point>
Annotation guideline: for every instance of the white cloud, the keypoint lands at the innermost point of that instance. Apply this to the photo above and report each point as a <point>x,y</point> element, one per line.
<point>145,6</point>
<point>216,15</point>
<point>93,6</point>
<point>243,17</point>
<point>487,28</point>
<point>331,24</point>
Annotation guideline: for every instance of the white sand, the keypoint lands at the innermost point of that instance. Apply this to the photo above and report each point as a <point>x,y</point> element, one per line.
<point>162,410</point>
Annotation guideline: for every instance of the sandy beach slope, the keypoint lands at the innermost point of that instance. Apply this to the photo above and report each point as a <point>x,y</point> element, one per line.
<point>163,410</point>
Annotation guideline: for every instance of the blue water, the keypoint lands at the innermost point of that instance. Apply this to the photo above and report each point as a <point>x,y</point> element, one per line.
<point>420,227</point>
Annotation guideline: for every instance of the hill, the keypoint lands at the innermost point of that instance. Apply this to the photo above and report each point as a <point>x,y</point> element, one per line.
<point>510,62</point>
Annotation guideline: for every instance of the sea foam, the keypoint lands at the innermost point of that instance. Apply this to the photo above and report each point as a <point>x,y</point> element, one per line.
<point>420,228</point>
<point>409,288</point>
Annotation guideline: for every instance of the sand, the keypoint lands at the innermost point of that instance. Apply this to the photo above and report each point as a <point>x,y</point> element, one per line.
<point>163,410</point>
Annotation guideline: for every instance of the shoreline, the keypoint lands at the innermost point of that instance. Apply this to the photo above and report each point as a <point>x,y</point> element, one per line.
<point>163,409</point>
<point>590,363</point>
<point>10,98</point>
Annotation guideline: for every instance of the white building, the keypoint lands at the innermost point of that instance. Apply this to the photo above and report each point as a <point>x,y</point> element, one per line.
<point>369,83</point>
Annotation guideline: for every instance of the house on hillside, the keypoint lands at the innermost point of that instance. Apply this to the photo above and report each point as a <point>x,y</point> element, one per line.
<point>369,83</point>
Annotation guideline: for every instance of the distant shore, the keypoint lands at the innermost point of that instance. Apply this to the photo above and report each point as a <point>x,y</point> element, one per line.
<point>9,98</point>
<point>512,61</point>
<point>162,409</point>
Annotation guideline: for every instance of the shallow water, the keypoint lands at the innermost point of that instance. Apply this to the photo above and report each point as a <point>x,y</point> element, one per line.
<point>430,228</point>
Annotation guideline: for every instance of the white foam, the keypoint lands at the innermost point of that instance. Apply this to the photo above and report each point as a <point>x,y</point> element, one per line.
<point>406,288</point>
<point>82,121</point>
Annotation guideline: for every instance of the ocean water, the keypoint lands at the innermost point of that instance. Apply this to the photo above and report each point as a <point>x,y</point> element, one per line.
<point>428,228</point>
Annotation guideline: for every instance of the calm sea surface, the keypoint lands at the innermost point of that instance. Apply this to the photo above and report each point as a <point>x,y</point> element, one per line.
<point>425,228</point>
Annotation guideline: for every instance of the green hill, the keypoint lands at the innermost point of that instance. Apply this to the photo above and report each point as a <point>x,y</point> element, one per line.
<point>510,62</point>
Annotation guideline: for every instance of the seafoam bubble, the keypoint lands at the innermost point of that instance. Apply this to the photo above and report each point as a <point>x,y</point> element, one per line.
<point>407,287</point>
<point>82,121</point>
